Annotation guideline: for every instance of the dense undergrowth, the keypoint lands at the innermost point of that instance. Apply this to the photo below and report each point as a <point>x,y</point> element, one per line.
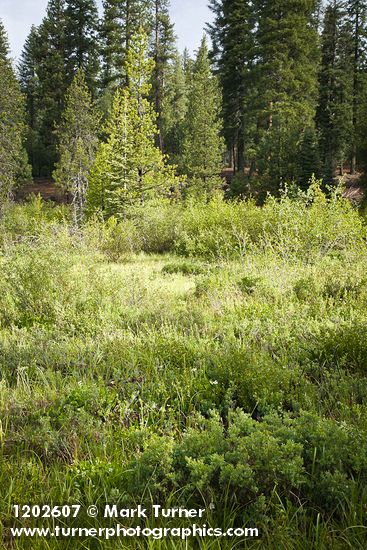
<point>202,355</point>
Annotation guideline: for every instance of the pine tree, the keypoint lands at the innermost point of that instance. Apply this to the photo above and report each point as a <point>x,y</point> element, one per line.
<point>78,142</point>
<point>162,53</point>
<point>202,144</point>
<point>13,160</point>
<point>81,40</point>
<point>132,168</point>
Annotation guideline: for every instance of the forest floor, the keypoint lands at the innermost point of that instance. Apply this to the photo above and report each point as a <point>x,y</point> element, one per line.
<point>49,191</point>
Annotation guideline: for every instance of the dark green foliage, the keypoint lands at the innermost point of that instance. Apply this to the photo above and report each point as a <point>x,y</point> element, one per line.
<point>121,20</point>
<point>174,108</point>
<point>286,44</point>
<point>357,19</point>
<point>77,144</point>
<point>4,43</point>
<point>309,159</point>
<point>162,52</point>
<point>202,142</point>
<point>334,113</point>
<point>81,41</point>
<point>65,41</point>
<point>233,51</point>
<point>14,168</point>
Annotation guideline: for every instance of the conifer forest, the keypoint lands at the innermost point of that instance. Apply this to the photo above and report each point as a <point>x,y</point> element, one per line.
<point>183,289</point>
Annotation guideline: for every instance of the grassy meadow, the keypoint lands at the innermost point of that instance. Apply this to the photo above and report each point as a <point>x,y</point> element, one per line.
<point>207,355</point>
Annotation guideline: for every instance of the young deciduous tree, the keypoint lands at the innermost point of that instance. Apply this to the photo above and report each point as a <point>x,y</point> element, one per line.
<point>203,146</point>
<point>78,142</point>
<point>130,168</point>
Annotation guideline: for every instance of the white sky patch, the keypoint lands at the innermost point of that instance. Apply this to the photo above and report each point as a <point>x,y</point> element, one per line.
<point>189,16</point>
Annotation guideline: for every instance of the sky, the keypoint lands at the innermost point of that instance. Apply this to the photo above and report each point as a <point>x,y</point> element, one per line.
<point>189,16</point>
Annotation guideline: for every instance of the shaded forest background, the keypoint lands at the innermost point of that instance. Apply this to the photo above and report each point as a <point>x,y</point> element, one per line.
<point>279,96</point>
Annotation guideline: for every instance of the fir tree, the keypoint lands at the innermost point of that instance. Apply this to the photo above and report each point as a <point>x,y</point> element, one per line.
<point>308,158</point>
<point>30,85</point>
<point>81,40</point>
<point>121,20</point>
<point>78,143</point>
<point>4,43</point>
<point>174,108</point>
<point>133,169</point>
<point>233,51</point>
<point>13,161</point>
<point>53,80</point>
<point>202,144</point>
<point>162,53</point>
<point>334,112</point>
<point>286,83</point>
<point>357,13</point>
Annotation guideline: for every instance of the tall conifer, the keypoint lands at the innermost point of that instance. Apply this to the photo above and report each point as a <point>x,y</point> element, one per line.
<point>13,160</point>
<point>163,41</point>
<point>81,40</point>
<point>233,51</point>
<point>129,168</point>
<point>77,144</point>
<point>203,145</point>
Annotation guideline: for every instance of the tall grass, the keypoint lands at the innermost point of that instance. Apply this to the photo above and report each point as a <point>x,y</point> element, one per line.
<point>206,355</point>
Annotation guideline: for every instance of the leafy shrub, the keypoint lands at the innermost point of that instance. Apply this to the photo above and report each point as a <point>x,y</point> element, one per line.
<point>157,224</point>
<point>185,268</point>
<point>116,240</point>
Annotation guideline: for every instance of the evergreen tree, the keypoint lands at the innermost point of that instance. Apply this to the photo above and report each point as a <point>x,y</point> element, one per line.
<point>81,40</point>
<point>308,159</point>
<point>121,20</point>
<point>203,146</point>
<point>53,80</point>
<point>162,53</point>
<point>174,108</point>
<point>4,43</point>
<point>357,14</point>
<point>233,51</point>
<point>30,85</point>
<point>130,168</point>
<point>78,143</point>
<point>13,160</point>
<point>286,83</point>
<point>334,112</point>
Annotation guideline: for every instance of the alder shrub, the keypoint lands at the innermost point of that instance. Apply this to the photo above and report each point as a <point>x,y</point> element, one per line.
<point>308,228</point>
<point>230,369</point>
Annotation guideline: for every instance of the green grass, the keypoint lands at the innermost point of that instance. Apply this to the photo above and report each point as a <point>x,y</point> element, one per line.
<point>185,372</point>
